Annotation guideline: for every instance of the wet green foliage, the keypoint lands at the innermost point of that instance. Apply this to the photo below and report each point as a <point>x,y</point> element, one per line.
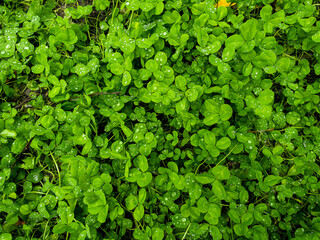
<point>151,119</point>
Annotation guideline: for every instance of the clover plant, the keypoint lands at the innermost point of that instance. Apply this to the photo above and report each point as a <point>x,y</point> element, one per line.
<point>151,119</point>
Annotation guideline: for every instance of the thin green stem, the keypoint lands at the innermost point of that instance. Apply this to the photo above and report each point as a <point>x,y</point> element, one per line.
<point>42,193</point>
<point>200,165</point>
<point>185,233</point>
<point>97,22</point>
<point>88,28</point>
<point>115,8</point>
<point>130,20</point>
<point>289,127</point>
<point>260,199</point>
<point>289,56</point>
<point>45,230</point>
<point>227,154</point>
<point>57,167</point>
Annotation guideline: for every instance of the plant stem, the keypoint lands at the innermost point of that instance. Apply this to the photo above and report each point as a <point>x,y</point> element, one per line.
<point>96,94</point>
<point>227,154</point>
<point>185,233</point>
<point>57,167</point>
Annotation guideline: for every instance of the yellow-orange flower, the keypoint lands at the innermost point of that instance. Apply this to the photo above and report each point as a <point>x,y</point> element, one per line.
<point>224,3</point>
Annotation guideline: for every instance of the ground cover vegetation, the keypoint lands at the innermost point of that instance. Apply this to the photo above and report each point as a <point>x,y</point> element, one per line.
<point>151,119</point>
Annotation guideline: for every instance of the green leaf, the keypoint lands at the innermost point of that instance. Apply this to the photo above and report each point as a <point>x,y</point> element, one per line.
<point>54,92</point>
<point>81,139</point>
<point>235,41</point>
<point>131,202</point>
<point>161,58</point>
<point>138,213</point>
<point>213,47</point>
<point>18,145</point>
<point>5,236</point>
<point>215,233</point>
<point>179,221</point>
<point>203,205</point>
<point>192,94</point>
<point>127,45</point>
<point>283,65</point>
<point>173,167</point>
<point>181,83</point>
<point>212,106</point>
<point>59,228</point>
<point>317,68</point>
<point>269,57</point>
<point>25,47</point>
<point>159,8</point>
<point>8,133</point>
<point>264,111</point>
<point>93,64</point>
<point>234,215</point>
<point>101,4</point>
<point>218,189</point>
<point>12,218</point>
<point>126,130</point>
<point>116,68</point>
<point>222,12</point>
<point>195,191</point>
<point>272,180</point>
<point>213,214</point>
<point>37,69</point>
<point>266,12</point>
<point>316,37</point>
<point>225,112</point>
<point>7,49</point>
<point>266,97</point>
<point>82,69</point>
<point>142,195</point>
<point>145,149</point>
<point>157,233</point>
<point>144,179</point>
<point>228,53</point>
<point>247,219</point>
<point>293,118</point>
<point>221,172</point>
<point>277,18</point>
<point>212,119</point>
<point>132,4</point>
<point>102,213</point>
<point>243,196</point>
<point>223,143</point>
<point>204,178</point>
<point>65,213</point>
<point>247,69</point>
<point>249,29</point>
<point>277,150</point>
<point>152,65</point>
<point>143,163</point>
<point>240,229</point>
